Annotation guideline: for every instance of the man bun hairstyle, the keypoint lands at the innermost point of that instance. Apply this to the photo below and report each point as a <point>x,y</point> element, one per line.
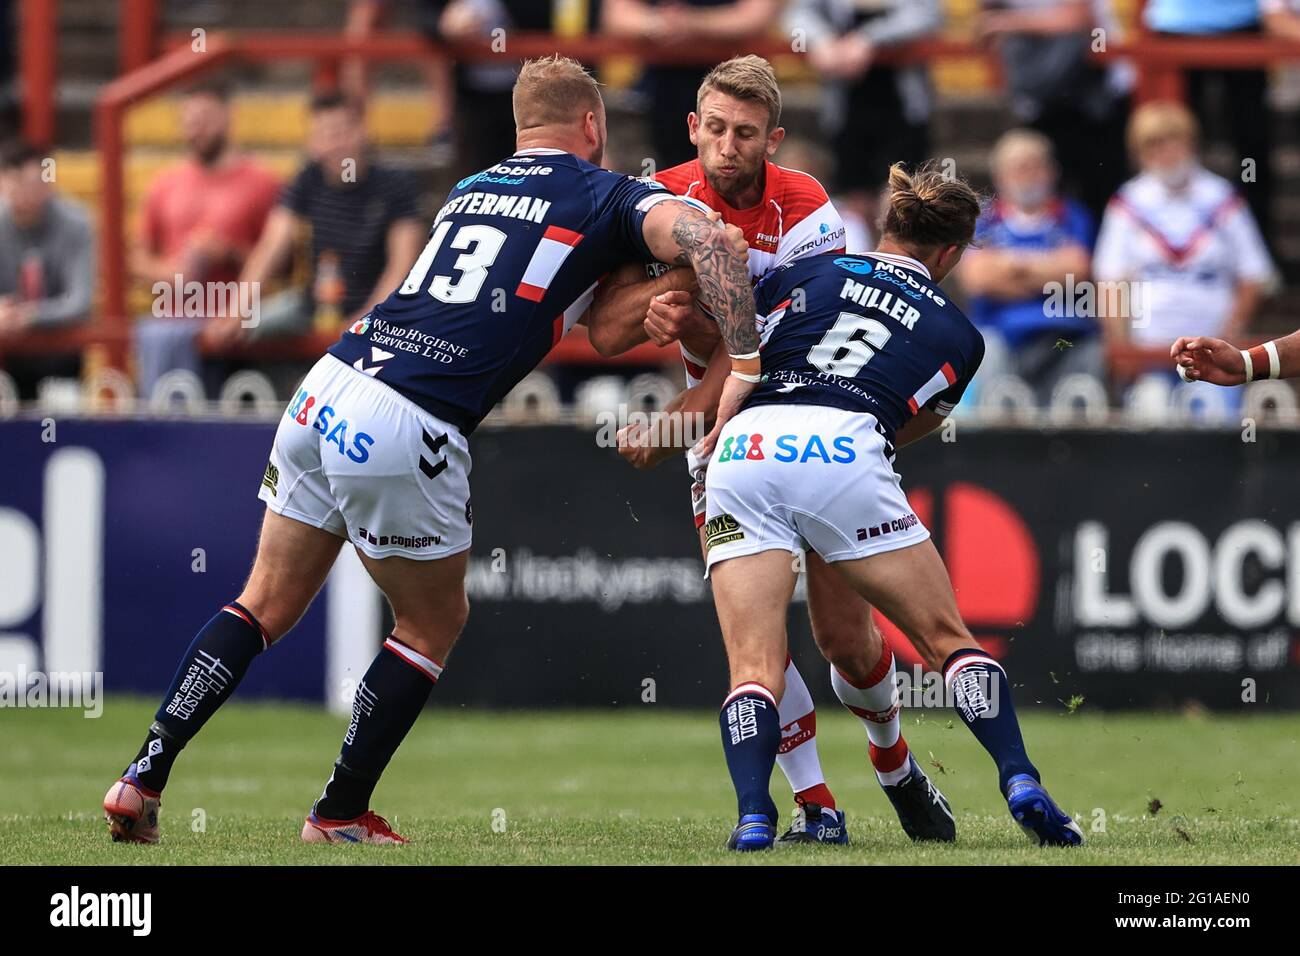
<point>928,208</point>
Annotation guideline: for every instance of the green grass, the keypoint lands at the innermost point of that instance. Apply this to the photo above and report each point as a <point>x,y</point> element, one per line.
<point>643,786</point>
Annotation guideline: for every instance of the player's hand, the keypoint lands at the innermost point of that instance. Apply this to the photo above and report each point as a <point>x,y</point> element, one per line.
<point>736,238</point>
<point>672,316</point>
<point>734,393</point>
<point>635,446</point>
<point>1203,359</point>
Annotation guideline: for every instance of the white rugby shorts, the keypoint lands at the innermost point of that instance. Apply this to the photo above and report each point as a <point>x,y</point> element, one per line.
<point>791,477</point>
<point>360,460</point>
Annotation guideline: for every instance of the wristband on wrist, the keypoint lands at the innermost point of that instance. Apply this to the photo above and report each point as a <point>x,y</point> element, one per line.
<point>1274,360</point>
<point>746,377</point>
<point>1262,361</point>
<point>746,365</point>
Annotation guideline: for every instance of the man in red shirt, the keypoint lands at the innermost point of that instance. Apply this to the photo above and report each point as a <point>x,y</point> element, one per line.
<point>200,220</point>
<point>784,215</point>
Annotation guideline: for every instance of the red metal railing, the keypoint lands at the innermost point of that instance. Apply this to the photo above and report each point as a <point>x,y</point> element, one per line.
<point>1160,61</point>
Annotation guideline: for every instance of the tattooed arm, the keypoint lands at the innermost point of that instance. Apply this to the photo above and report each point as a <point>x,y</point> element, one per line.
<point>683,235</point>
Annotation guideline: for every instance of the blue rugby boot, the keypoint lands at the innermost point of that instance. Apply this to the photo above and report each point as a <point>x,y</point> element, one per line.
<point>753,832</point>
<point>1038,815</point>
<point>813,823</point>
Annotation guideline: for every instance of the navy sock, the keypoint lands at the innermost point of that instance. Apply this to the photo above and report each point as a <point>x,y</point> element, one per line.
<point>982,698</point>
<point>387,703</point>
<point>210,671</point>
<point>751,735</point>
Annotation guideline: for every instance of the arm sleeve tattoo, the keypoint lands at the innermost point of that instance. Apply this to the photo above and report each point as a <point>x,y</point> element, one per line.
<point>723,277</point>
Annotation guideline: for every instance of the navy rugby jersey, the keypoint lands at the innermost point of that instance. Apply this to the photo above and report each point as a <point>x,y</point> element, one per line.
<point>511,263</point>
<point>869,333</point>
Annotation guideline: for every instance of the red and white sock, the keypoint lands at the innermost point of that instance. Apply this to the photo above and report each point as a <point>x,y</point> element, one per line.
<point>797,756</point>
<point>876,704</point>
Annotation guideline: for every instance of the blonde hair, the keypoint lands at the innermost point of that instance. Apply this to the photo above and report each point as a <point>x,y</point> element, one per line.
<point>554,91</point>
<point>746,78</point>
<point>1160,120</point>
<point>927,208</point>
<point>1015,141</point>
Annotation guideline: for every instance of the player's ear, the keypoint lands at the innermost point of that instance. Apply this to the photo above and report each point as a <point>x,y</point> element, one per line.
<point>774,139</point>
<point>693,127</point>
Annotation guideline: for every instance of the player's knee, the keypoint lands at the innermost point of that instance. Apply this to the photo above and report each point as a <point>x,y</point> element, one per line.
<point>769,674</point>
<point>433,631</point>
<point>852,649</point>
<point>275,615</point>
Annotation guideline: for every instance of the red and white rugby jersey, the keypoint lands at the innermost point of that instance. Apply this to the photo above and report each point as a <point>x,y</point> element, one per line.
<point>794,219</point>
<point>1183,250</point>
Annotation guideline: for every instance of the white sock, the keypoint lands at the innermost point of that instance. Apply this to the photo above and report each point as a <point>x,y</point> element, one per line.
<point>797,757</point>
<point>877,706</point>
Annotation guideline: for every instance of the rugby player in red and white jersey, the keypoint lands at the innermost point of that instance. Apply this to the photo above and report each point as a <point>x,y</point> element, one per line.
<point>784,214</point>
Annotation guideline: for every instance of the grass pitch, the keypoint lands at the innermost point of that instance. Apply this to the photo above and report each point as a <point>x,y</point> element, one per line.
<point>644,786</point>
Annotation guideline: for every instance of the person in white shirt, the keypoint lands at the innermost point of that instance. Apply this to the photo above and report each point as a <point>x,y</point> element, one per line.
<point>1179,253</point>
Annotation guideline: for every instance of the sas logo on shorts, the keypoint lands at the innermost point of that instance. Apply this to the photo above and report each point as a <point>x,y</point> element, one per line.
<point>721,529</point>
<point>335,432</point>
<point>271,479</point>
<point>796,448</point>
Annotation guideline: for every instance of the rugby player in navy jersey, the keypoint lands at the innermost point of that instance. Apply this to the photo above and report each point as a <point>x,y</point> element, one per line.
<point>373,448</point>
<point>861,354</point>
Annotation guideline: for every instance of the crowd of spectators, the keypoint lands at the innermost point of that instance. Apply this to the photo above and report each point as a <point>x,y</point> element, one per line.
<point>1085,191</point>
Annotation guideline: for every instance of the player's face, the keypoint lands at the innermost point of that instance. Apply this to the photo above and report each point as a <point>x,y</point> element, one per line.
<point>733,141</point>
<point>205,124</point>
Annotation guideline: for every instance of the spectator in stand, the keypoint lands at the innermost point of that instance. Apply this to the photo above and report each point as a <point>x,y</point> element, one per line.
<point>873,115</point>
<point>201,218</point>
<point>672,90</point>
<point>1179,239</point>
<point>1281,18</point>
<point>365,227</point>
<point>1045,48</point>
<point>484,111</point>
<point>1236,99</point>
<point>47,262</point>
<point>1028,240</point>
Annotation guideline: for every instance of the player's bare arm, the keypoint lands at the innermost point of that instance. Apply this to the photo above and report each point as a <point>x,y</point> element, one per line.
<point>677,317</point>
<point>676,232</point>
<point>681,234</point>
<point>616,320</point>
<point>924,422</point>
<point>1204,359</point>
<point>647,446</point>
